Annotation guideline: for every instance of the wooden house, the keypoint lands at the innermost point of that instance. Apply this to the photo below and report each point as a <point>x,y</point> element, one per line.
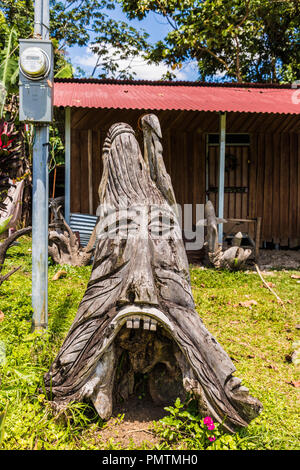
<point>237,145</point>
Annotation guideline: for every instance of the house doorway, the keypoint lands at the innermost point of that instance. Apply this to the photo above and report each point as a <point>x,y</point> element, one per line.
<point>236,183</point>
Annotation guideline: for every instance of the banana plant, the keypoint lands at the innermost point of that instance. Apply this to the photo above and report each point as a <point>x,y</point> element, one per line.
<point>66,71</point>
<point>10,156</point>
<point>8,69</point>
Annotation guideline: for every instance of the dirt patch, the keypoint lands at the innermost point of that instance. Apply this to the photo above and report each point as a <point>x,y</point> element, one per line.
<point>280,259</point>
<point>268,259</point>
<point>135,426</point>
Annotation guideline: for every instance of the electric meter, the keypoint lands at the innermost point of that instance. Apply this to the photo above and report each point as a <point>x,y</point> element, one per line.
<point>34,63</point>
<point>36,81</point>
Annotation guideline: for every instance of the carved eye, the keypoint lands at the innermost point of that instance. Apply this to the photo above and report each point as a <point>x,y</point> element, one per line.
<point>161,226</point>
<point>161,223</point>
<point>121,227</point>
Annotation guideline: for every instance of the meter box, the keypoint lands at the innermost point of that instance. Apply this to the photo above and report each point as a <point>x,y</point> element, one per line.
<point>36,80</point>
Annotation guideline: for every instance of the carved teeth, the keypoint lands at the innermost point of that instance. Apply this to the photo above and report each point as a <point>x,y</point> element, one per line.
<point>135,322</point>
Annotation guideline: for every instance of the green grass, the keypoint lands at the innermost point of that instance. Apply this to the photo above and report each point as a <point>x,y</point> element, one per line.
<point>258,340</point>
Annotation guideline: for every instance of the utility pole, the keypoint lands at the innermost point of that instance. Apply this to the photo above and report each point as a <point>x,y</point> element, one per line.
<point>36,107</point>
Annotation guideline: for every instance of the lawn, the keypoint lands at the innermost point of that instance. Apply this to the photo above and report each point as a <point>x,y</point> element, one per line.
<point>257,332</point>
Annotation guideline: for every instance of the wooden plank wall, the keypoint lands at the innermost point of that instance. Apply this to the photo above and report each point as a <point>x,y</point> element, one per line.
<point>79,169</point>
<point>274,176</point>
<point>274,187</point>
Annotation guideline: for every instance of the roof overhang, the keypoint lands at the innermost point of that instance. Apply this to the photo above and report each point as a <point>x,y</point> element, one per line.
<point>188,96</point>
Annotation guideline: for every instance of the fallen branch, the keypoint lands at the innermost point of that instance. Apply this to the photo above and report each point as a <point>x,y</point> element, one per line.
<point>9,241</point>
<point>4,247</point>
<point>4,278</point>
<point>267,285</point>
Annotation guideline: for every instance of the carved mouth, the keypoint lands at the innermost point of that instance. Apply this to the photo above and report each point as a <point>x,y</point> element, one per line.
<point>137,316</point>
<point>140,344</point>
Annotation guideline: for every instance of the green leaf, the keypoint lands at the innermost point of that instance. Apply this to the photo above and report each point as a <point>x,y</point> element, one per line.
<point>67,71</point>
<point>178,403</point>
<point>2,422</point>
<point>4,225</point>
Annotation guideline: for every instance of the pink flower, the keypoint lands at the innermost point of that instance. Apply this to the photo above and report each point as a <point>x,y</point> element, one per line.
<point>207,420</point>
<point>210,426</point>
<point>212,438</point>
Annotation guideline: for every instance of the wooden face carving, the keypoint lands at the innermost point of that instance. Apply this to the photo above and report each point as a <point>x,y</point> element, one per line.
<point>138,309</point>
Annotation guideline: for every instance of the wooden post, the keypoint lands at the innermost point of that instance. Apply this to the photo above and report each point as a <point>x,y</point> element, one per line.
<point>257,237</point>
<point>90,170</point>
<point>222,146</point>
<point>67,164</point>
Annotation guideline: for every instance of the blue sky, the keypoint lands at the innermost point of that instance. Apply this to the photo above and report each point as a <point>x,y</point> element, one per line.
<point>157,27</point>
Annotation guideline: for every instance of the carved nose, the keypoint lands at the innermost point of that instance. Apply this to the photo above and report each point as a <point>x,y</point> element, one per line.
<point>140,286</point>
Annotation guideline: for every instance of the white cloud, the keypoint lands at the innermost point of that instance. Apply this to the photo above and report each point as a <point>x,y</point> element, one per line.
<point>144,71</point>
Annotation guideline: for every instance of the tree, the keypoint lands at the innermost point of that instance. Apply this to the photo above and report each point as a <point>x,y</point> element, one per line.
<point>17,17</point>
<point>72,22</point>
<point>243,40</point>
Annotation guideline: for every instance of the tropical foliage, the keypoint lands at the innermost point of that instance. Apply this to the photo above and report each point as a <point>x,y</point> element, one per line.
<point>243,40</point>
<point>10,151</point>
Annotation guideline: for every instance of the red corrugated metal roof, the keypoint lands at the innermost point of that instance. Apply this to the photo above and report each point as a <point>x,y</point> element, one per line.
<point>176,96</point>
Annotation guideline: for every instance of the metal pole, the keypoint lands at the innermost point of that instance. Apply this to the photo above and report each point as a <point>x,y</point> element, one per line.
<point>38,17</point>
<point>41,19</point>
<point>46,20</point>
<point>40,228</point>
<point>40,197</point>
<point>221,174</point>
<point>67,164</point>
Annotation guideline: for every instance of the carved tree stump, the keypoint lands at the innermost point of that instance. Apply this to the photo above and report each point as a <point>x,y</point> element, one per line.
<point>64,246</point>
<point>235,257</point>
<point>138,314</point>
